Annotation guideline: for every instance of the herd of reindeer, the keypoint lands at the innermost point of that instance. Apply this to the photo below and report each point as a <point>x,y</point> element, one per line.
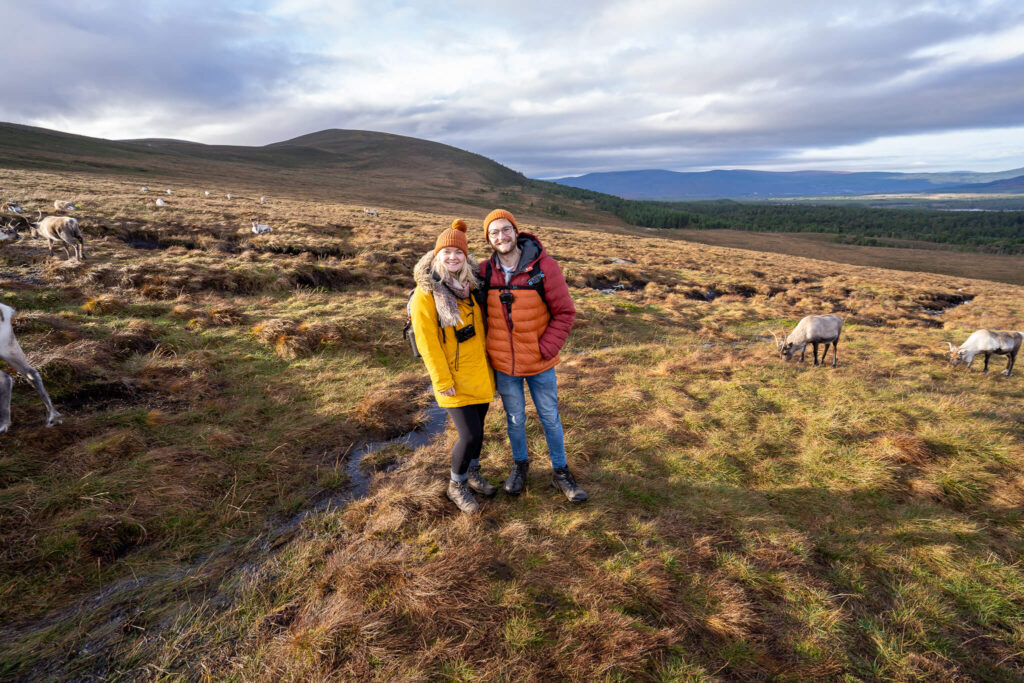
<point>813,330</point>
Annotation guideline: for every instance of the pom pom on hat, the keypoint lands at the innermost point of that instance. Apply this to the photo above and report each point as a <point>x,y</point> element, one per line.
<point>454,236</point>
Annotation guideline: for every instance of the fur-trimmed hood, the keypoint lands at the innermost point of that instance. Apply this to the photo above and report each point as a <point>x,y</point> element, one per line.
<point>425,277</point>
<point>444,299</point>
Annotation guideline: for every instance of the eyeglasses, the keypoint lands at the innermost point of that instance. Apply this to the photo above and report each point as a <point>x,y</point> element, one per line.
<point>507,231</point>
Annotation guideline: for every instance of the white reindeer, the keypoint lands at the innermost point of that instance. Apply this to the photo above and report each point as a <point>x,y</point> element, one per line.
<point>9,233</point>
<point>261,228</point>
<point>228,195</point>
<point>13,207</point>
<point>62,230</point>
<point>160,202</point>
<point>262,199</point>
<point>168,190</point>
<point>11,352</point>
<point>813,330</point>
<point>143,189</point>
<point>370,212</point>
<point>987,342</point>
<point>64,206</point>
<point>206,192</point>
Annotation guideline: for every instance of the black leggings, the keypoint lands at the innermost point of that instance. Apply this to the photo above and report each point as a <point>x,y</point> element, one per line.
<point>469,420</point>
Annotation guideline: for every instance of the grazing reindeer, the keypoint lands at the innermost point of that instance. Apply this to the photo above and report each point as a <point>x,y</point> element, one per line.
<point>987,342</point>
<point>370,212</point>
<point>64,206</point>
<point>813,330</point>
<point>143,189</point>
<point>60,229</point>
<point>13,207</point>
<point>11,352</point>
<point>160,202</point>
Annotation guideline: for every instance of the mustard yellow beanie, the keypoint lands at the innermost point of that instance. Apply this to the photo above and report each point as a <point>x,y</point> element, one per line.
<point>454,236</point>
<point>495,215</point>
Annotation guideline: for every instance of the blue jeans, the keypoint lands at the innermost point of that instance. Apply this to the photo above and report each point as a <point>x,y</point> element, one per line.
<point>544,392</point>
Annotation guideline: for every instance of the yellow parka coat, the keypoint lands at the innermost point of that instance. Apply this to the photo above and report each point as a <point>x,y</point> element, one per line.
<point>450,363</point>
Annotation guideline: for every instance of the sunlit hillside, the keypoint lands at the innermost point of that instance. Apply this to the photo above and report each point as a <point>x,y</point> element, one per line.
<point>195,518</point>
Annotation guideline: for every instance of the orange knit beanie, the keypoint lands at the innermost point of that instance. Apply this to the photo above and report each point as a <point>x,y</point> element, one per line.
<point>496,214</point>
<point>454,236</point>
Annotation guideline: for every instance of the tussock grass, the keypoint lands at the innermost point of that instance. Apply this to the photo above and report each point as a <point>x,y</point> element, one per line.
<point>749,519</point>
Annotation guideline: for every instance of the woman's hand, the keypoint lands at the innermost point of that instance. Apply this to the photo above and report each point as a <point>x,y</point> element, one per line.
<point>448,392</point>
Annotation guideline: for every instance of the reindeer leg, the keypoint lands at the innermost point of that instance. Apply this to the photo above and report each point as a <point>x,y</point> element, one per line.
<point>835,351</point>
<point>18,361</point>
<point>987,356</point>
<point>67,251</point>
<point>815,345</point>
<point>5,401</point>
<point>1011,360</point>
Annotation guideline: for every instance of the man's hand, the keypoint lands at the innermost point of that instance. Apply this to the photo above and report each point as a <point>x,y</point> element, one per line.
<point>448,392</point>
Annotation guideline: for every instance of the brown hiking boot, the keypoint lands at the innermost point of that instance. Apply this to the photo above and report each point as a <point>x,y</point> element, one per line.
<point>459,493</point>
<point>561,479</point>
<point>478,484</point>
<point>516,481</point>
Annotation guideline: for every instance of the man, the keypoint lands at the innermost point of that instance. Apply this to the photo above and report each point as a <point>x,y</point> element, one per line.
<point>529,315</point>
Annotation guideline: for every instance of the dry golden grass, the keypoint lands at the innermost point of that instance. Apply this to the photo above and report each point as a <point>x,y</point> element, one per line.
<point>749,519</point>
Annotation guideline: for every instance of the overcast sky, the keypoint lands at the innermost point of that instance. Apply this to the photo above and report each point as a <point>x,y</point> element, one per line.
<point>547,87</point>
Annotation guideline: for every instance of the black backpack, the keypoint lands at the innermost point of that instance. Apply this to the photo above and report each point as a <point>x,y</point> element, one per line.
<point>536,283</point>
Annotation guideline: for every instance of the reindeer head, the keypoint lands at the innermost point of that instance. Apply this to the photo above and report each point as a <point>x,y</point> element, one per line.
<point>956,356</point>
<point>786,349</point>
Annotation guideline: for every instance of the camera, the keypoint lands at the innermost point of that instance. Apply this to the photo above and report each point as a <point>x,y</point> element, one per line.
<point>506,298</point>
<point>465,334</point>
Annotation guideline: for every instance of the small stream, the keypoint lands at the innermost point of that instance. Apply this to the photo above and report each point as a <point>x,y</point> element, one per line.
<point>437,420</point>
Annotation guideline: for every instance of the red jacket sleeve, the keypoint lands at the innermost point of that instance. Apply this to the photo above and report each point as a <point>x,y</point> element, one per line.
<point>563,312</point>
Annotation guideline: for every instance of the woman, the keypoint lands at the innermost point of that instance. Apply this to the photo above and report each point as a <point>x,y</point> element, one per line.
<point>449,328</point>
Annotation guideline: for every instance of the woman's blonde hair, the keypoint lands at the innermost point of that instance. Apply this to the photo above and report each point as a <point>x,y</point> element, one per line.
<point>464,275</point>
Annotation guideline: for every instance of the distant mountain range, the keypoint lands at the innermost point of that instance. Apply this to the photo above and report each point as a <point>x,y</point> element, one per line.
<point>673,185</point>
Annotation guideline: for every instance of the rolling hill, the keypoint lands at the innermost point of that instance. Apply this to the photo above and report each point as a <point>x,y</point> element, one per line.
<point>361,166</point>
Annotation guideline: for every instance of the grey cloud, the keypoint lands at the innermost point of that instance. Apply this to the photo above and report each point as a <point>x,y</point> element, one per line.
<point>196,57</point>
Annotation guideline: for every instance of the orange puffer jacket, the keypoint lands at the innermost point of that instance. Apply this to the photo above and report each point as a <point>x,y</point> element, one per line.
<point>524,338</point>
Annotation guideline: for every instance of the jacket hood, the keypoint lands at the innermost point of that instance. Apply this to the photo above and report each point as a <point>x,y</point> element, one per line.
<point>425,277</point>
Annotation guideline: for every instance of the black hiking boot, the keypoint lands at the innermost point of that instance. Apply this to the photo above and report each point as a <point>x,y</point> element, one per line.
<point>459,493</point>
<point>561,479</point>
<point>478,484</point>
<point>516,481</point>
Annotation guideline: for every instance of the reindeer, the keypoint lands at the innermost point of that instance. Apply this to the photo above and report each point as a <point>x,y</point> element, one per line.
<point>12,207</point>
<point>64,206</point>
<point>9,233</point>
<point>143,189</point>
<point>370,212</point>
<point>60,229</point>
<point>987,342</point>
<point>160,202</point>
<point>261,228</point>
<point>813,330</point>
<point>11,352</point>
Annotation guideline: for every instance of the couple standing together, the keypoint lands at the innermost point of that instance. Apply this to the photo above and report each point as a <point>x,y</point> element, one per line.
<point>511,313</point>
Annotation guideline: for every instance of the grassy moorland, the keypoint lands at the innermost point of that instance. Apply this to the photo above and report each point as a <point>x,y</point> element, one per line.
<point>911,256</point>
<point>748,519</point>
